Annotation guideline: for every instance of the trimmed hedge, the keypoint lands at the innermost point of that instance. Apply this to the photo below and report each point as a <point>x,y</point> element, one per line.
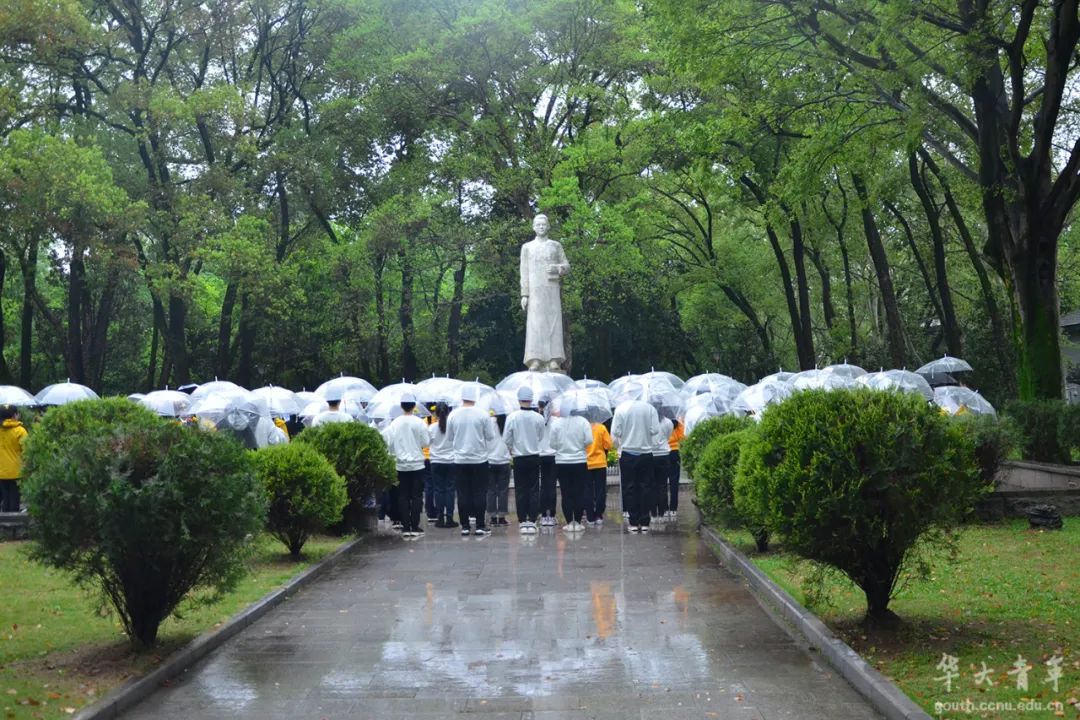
<point>306,493</point>
<point>693,446</point>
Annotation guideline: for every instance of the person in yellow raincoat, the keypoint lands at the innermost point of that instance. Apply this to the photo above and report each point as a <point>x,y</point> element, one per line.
<point>596,461</point>
<point>12,435</point>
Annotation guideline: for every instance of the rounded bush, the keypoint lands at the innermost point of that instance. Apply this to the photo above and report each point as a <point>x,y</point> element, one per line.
<point>142,508</point>
<point>305,492</point>
<point>359,455</point>
<point>693,446</point>
<point>859,480</point>
<point>715,478</point>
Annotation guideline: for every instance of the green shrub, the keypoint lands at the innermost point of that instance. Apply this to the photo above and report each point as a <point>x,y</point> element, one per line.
<point>305,492</point>
<point>1040,425</point>
<point>144,509</point>
<point>715,477</point>
<point>693,447</point>
<point>1069,432</point>
<point>993,438</point>
<point>859,480</point>
<point>358,453</point>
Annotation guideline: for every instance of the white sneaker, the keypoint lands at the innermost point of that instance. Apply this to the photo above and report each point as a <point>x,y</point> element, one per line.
<point>633,528</point>
<point>482,532</point>
<point>568,527</point>
<point>532,529</point>
<point>644,529</point>
<point>523,528</point>
<point>599,521</point>
<point>578,526</point>
<point>464,529</point>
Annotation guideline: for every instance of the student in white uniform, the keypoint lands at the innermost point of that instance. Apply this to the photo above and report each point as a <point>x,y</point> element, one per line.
<point>547,473</point>
<point>570,437</point>
<point>406,437</point>
<point>442,469</point>
<point>334,413</point>
<point>498,494</point>
<point>661,452</point>
<point>471,432</point>
<point>523,435</point>
<point>634,430</point>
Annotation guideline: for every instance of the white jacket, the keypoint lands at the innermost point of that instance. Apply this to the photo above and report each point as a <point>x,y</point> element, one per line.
<point>406,437</point>
<point>570,437</point>
<point>524,432</point>
<point>442,450</point>
<point>662,448</point>
<point>470,430</point>
<point>498,453</point>
<point>635,427</point>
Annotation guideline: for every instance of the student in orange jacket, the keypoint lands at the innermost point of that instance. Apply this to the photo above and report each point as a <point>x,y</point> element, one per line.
<point>674,467</point>
<point>12,434</point>
<point>596,461</point>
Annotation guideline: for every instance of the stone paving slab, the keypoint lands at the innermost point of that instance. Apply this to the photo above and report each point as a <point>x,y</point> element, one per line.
<point>594,626</point>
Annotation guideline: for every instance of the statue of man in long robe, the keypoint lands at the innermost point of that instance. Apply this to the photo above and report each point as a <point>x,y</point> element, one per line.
<point>543,264</point>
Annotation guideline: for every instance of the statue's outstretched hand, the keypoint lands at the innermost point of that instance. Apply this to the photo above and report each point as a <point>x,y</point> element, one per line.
<point>525,302</point>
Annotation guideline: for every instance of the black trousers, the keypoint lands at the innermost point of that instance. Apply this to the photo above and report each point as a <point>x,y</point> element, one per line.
<point>637,478</point>
<point>9,496</point>
<point>547,485</point>
<point>673,472</point>
<point>472,482</point>
<point>572,479</point>
<point>429,491</point>
<point>596,494</point>
<point>410,493</point>
<point>527,487</point>
<point>443,488</point>
<point>498,492</point>
<point>660,485</point>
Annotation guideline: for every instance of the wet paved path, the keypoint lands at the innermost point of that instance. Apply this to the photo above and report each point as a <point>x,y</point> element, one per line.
<point>605,625</point>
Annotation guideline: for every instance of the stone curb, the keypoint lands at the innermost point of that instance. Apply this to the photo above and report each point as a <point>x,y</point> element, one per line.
<point>886,697</point>
<point>134,691</point>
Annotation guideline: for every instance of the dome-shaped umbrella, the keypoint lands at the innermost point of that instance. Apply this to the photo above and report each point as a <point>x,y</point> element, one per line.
<point>498,402</point>
<point>218,387</point>
<point>703,406</point>
<point>133,397</point>
<point>756,398</point>
<point>674,380</point>
<point>709,382</point>
<point>306,397</point>
<point>279,401</point>
<point>249,423</point>
<point>845,370</point>
<point>957,400</point>
<point>386,404</point>
<point>658,393</point>
<point>438,389</point>
<point>212,408</point>
<point>820,380</point>
<point>14,395</point>
<point>590,383</point>
<point>64,393</point>
<point>544,385</point>
<point>344,383</point>
<point>167,403</point>
<point>945,365</point>
<point>780,376</point>
<point>590,403</point>
<point>902,380</point>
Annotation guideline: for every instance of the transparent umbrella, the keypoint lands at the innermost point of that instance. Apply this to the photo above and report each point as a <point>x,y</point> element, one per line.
<point>845,370</point>
<point>756,398</point>
<point>544,385</point>
<point>167,403</point>
<point>902,380</point>
<point>781,376</point>
<point>674,380</point>
<point>386,404</point>
<point>281,402</point>
<point>212,408</point>
<point>306,396</point>
<point>703,406</point>
<point>587,383</point>
<point>218,387</point>
<point>13,395</point>
<point>820,380</point>
<point>358,395</point>
<point>658,393</point>
<point>438,389</point>
<point>709,382</point>
<point>64,393</point>
<point>344,383</point>
<point>945,365</point>
<point>249,423</point>
<point>958,400</point>
<point>498,402</point>
<point>133,397</point>
<point>590,403</point>
<point>313,408</point>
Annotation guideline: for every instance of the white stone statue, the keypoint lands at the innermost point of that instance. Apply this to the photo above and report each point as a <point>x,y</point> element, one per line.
<point>543,263</point>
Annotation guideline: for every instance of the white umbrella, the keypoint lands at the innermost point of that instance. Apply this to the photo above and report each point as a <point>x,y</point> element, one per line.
<point>386,404</point>
<point>344,383</point>
<point>167,403</point>
<point>133,397</point>
<point>306,397</point>
<point>590,383</point>
<point>781,376</point>
<point>956,400</point>
<point>438,389</point>
<point>64,393</point>
<point>281,402</point>
<point>313,408</point>
<point>544,385</point>
<point>756,398</point>
<point>901,380</point>
<point>13,395</point>
<point>498,402</point>
<point>658,393</point>
<point>218,387</point>
<point>846,370</point>
<point>945,365</point>
<point>674,380</point>
<point>710,382</point>
<point>213,407</point>
<point>820,380</point>
<point>592,404</point>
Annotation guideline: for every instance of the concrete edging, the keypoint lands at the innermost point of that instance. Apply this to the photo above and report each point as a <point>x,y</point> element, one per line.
<point>135,690</point>
<point>881,692</point>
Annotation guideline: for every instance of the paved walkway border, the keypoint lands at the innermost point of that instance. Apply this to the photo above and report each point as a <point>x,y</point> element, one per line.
<point>803,625</point>
<point>137,689</point>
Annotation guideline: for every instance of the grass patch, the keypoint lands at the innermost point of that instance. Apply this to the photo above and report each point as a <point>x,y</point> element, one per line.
<point>1011,592</point>
<point>61,649</point>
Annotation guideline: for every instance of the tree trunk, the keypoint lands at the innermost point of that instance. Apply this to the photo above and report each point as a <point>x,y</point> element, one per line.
<point>1040,372</point>
<point>97,343</point>
<point>177,340</point>
<point>924,272</point>
<point>29,269</point>
<point>453,326</point>
<point>76,368</point>
<point>827,308</point>
<point>405,316</point>
<point>246,341</point>
<point>740,301</point>
<point>5,370</point>
<point>953,337</point>
<point>382,350</point>
<point>224,354</point>
<point>894,325</point>
<point>804,339</point>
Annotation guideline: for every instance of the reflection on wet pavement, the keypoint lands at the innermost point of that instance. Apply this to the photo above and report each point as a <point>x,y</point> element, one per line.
<point>599,625</point>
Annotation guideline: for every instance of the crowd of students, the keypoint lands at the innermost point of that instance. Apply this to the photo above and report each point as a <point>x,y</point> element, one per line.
<point>464,456</point>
